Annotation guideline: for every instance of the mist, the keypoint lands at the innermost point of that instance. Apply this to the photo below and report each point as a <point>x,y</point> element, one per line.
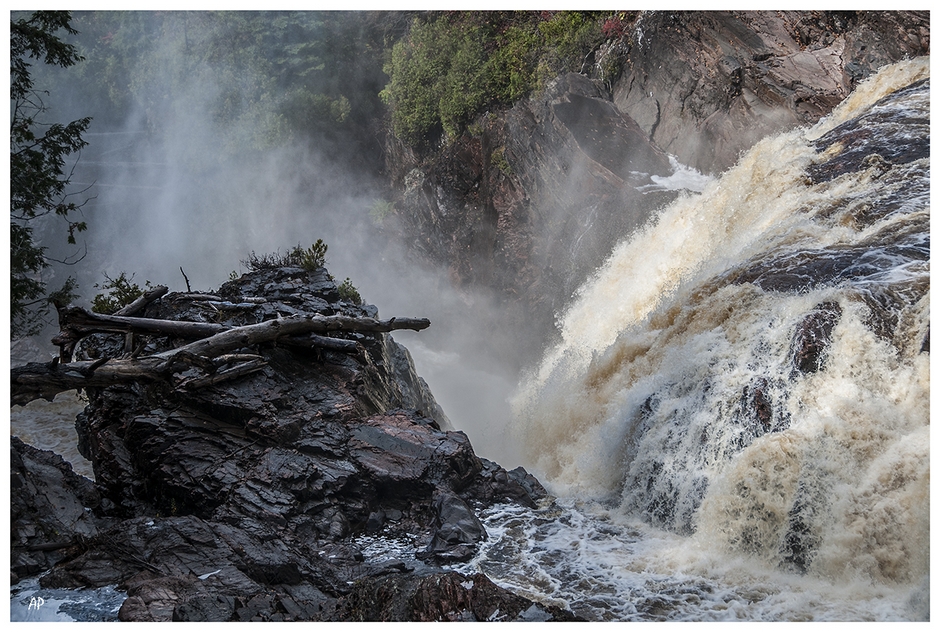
<point>174,190</point>
<point>194,163</point>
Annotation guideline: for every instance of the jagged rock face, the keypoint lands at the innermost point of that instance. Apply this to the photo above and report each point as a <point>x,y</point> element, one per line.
<point>444,597</point>
<point>529,206</point>
<point>534,200</point>
<point>240,500</point>
<point>50,508</point>
<point>705,86</point>
<point>586,171</point>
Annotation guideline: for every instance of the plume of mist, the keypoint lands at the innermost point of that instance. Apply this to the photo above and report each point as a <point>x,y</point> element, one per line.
<point>172,188</point>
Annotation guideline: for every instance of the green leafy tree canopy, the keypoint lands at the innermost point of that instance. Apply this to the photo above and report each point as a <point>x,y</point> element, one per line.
<point>38,152</point>
<point>452,66</point>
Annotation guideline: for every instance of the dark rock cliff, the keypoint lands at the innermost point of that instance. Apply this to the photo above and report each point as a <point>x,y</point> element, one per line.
<point>705,86</point>
<point>245,499</point>
<point>530,200</point>
<point>529,206</point>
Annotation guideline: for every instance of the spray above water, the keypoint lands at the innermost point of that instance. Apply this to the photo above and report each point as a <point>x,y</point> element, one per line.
<point>748,372</point>
<point>742,384</point>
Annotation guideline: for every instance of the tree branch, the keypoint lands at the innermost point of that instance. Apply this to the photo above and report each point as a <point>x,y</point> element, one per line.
<point>142,301</point>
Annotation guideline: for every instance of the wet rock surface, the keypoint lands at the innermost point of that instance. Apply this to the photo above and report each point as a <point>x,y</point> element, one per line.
<point>706,85</point>
<point>870,140</point>
<point>444,597</point>
<point>813,337</point>
<point>889,145</point>
<point>52,511</point>
<point>533,200</point>
<point>243,500</point>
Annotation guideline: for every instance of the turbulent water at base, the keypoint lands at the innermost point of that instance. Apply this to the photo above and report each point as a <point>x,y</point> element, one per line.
<point>736,422</point>
<point>721,469</point>
<point>29,602</point>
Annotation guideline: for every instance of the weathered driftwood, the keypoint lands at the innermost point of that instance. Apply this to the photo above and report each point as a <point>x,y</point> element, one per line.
<point>83,322</point>
<point>45,380</point>
<point>238,370</point>
<point>148,297</point>
<point>215,298</point>
<point>248,335</point>
<point>322,342</point>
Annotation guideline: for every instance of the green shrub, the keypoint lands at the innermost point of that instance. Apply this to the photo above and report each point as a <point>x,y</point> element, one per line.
<point>569,36</point>
<point>119,293</point>
<point>416,67</point>
<point>349,293</point>
<point>465,88</point>
<point>498,159</point>
<point>514,62</point>
<point>381,209</point>
<point>309,259</point>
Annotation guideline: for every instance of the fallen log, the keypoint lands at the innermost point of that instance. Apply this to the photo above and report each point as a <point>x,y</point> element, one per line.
<point>323,342</point>
<point>45,380</point>
<point>83,322</point>
<point>142,301</point>
<point>269,330</point>
<point>228,374</point>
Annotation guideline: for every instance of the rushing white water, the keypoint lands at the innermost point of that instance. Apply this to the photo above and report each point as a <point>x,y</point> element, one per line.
<point>29,603</point>
<point>674,397</point>
<point>700,476</point>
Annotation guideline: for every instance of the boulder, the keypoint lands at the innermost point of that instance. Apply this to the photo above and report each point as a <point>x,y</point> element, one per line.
<point>442,597</point>
<point>457,530</point>
<point>813,337</point>
<point>52,510</point>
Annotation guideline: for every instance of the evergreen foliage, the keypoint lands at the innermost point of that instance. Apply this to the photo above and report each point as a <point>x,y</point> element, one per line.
<point>265,77</point>
<point>38,152</point>
<point>349,293</point>
<point>309,259</point>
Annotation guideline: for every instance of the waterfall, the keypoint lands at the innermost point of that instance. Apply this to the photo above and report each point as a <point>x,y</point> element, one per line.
<point>748,372</point>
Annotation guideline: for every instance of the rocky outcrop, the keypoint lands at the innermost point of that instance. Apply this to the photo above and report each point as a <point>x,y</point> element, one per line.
<point>705,86</point>
<point>868,144</point>
<point>530,200</point>
<point>530,204</point>
<point>444,597</point>
<point>813,337</point>
<point>52,510</point>
<point>245,499</point>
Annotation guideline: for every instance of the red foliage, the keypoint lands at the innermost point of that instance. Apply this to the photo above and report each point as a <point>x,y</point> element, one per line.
<point>613,27</point>
<point>617,24</point>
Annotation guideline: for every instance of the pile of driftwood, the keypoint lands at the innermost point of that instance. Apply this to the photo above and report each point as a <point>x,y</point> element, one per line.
<point>214,353</point>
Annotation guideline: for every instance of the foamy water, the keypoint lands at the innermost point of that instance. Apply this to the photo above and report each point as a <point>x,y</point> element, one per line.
<point>605,566</point>
<point>673,398</point>
<point>699,477</point>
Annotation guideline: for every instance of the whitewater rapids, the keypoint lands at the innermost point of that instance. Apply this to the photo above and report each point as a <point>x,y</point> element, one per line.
<point>687,450</point>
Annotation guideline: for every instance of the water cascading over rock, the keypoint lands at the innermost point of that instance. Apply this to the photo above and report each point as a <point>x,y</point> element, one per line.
<point>751,369</point>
